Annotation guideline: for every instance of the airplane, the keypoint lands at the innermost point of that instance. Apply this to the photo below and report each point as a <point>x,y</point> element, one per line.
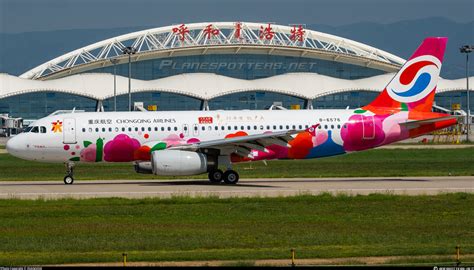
<point>178,143</point>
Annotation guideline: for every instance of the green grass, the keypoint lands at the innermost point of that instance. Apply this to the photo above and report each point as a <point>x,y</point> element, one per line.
<point>378,163</point>
<point>324,226</point>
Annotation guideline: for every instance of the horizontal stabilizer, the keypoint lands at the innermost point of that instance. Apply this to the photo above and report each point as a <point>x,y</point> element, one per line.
<point>417,123</point>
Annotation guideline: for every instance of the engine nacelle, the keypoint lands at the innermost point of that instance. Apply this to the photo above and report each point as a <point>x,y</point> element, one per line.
<point>177,162</point>
<point>143,167</point>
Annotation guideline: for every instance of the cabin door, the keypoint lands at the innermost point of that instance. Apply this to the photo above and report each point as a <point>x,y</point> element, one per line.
<point>69,131</point>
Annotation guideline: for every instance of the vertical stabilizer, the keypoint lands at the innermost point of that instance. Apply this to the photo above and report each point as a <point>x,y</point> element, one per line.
<point>414,86</point>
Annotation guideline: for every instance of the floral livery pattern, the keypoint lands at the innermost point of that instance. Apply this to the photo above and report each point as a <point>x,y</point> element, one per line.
<point>363,130</point>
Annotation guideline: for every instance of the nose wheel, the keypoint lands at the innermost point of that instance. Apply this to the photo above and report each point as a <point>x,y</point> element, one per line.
<point>69,178</point>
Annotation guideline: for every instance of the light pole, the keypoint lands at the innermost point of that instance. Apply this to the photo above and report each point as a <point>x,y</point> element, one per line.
<point>114,62</point>
<point>467,49</point>
<point>129,50</point>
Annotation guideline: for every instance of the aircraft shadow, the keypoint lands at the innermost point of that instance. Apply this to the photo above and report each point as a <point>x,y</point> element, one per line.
<point>338,180</point>
<point>141,183</point>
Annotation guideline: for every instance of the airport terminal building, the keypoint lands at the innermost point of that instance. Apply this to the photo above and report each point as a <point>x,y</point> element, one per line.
<point>216,66</point>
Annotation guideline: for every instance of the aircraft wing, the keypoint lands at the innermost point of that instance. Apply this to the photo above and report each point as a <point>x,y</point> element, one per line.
<point>416,123</point>
<point>243,145</point>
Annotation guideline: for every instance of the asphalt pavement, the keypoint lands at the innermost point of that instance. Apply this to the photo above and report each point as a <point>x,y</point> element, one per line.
<point>245,187</point>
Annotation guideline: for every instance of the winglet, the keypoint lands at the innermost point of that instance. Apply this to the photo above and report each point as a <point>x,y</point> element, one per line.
<point>312,129</point>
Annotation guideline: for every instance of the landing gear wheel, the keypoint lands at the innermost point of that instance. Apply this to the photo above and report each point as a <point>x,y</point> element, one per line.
<point>231,177</point>
<point>215,176</point>
<point>68,179</point>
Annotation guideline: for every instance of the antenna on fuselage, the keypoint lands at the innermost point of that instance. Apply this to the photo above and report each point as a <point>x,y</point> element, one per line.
<point>73,110</point>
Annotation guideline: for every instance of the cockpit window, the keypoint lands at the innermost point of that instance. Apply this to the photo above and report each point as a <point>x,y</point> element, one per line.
<point>28,129</point>
<point>35,129</point>
<point>43,129</point>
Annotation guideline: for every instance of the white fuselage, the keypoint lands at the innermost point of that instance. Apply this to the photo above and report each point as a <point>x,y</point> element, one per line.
<point>172,126</point>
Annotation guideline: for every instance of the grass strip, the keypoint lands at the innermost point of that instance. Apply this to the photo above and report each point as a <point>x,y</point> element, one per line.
<point>188,229</point>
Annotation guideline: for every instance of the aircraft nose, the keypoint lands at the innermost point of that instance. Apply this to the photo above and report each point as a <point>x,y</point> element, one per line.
<point>15,146</point>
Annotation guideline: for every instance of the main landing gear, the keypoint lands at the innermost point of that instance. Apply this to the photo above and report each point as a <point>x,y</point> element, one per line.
<point>69,178</point>
<point>229,176</point>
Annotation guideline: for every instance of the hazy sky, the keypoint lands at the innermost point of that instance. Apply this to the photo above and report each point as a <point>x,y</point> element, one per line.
<point>39,15</point>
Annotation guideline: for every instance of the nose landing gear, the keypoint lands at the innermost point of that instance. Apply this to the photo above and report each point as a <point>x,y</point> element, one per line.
<point>69,178</point>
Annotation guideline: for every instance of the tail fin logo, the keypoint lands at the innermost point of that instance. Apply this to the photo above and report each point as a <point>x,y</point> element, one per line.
<point>417,78</point>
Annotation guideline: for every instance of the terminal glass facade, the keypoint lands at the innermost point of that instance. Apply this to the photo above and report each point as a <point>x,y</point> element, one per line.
<point>40,104</point>
<point>353,99</point>
<point>241,66</point>
<point>164,101</point>
<point>448,99</point>
<point>254,100</point>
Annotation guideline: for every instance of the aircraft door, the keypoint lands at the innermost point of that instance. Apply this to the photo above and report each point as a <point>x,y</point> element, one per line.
<point>69,131</point>
<point>368,127</point>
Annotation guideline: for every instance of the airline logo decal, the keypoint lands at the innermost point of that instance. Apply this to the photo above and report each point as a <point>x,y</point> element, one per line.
<point>57,126</point>
<point>416,79</point>
<point>205,120</point>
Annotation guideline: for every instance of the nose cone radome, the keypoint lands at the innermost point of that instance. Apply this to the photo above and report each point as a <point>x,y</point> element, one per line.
<point>16,146</point>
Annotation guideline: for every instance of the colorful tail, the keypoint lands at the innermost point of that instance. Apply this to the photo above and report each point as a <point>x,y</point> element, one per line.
<point>413,87</point>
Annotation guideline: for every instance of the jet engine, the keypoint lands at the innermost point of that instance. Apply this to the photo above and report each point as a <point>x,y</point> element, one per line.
<point>143,167</point>
<point>177,162</point>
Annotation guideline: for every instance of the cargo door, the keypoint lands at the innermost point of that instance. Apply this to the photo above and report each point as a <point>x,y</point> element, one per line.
<point>368,127</point>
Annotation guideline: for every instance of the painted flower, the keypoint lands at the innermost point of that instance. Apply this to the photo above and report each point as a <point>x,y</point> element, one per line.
<point>362,133</point>
<point>320,138</point>
<point>88,154</point>
<point>121,149</point>
<point>300,145</point>
<point>174,139</point>
<point>142,153</point>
